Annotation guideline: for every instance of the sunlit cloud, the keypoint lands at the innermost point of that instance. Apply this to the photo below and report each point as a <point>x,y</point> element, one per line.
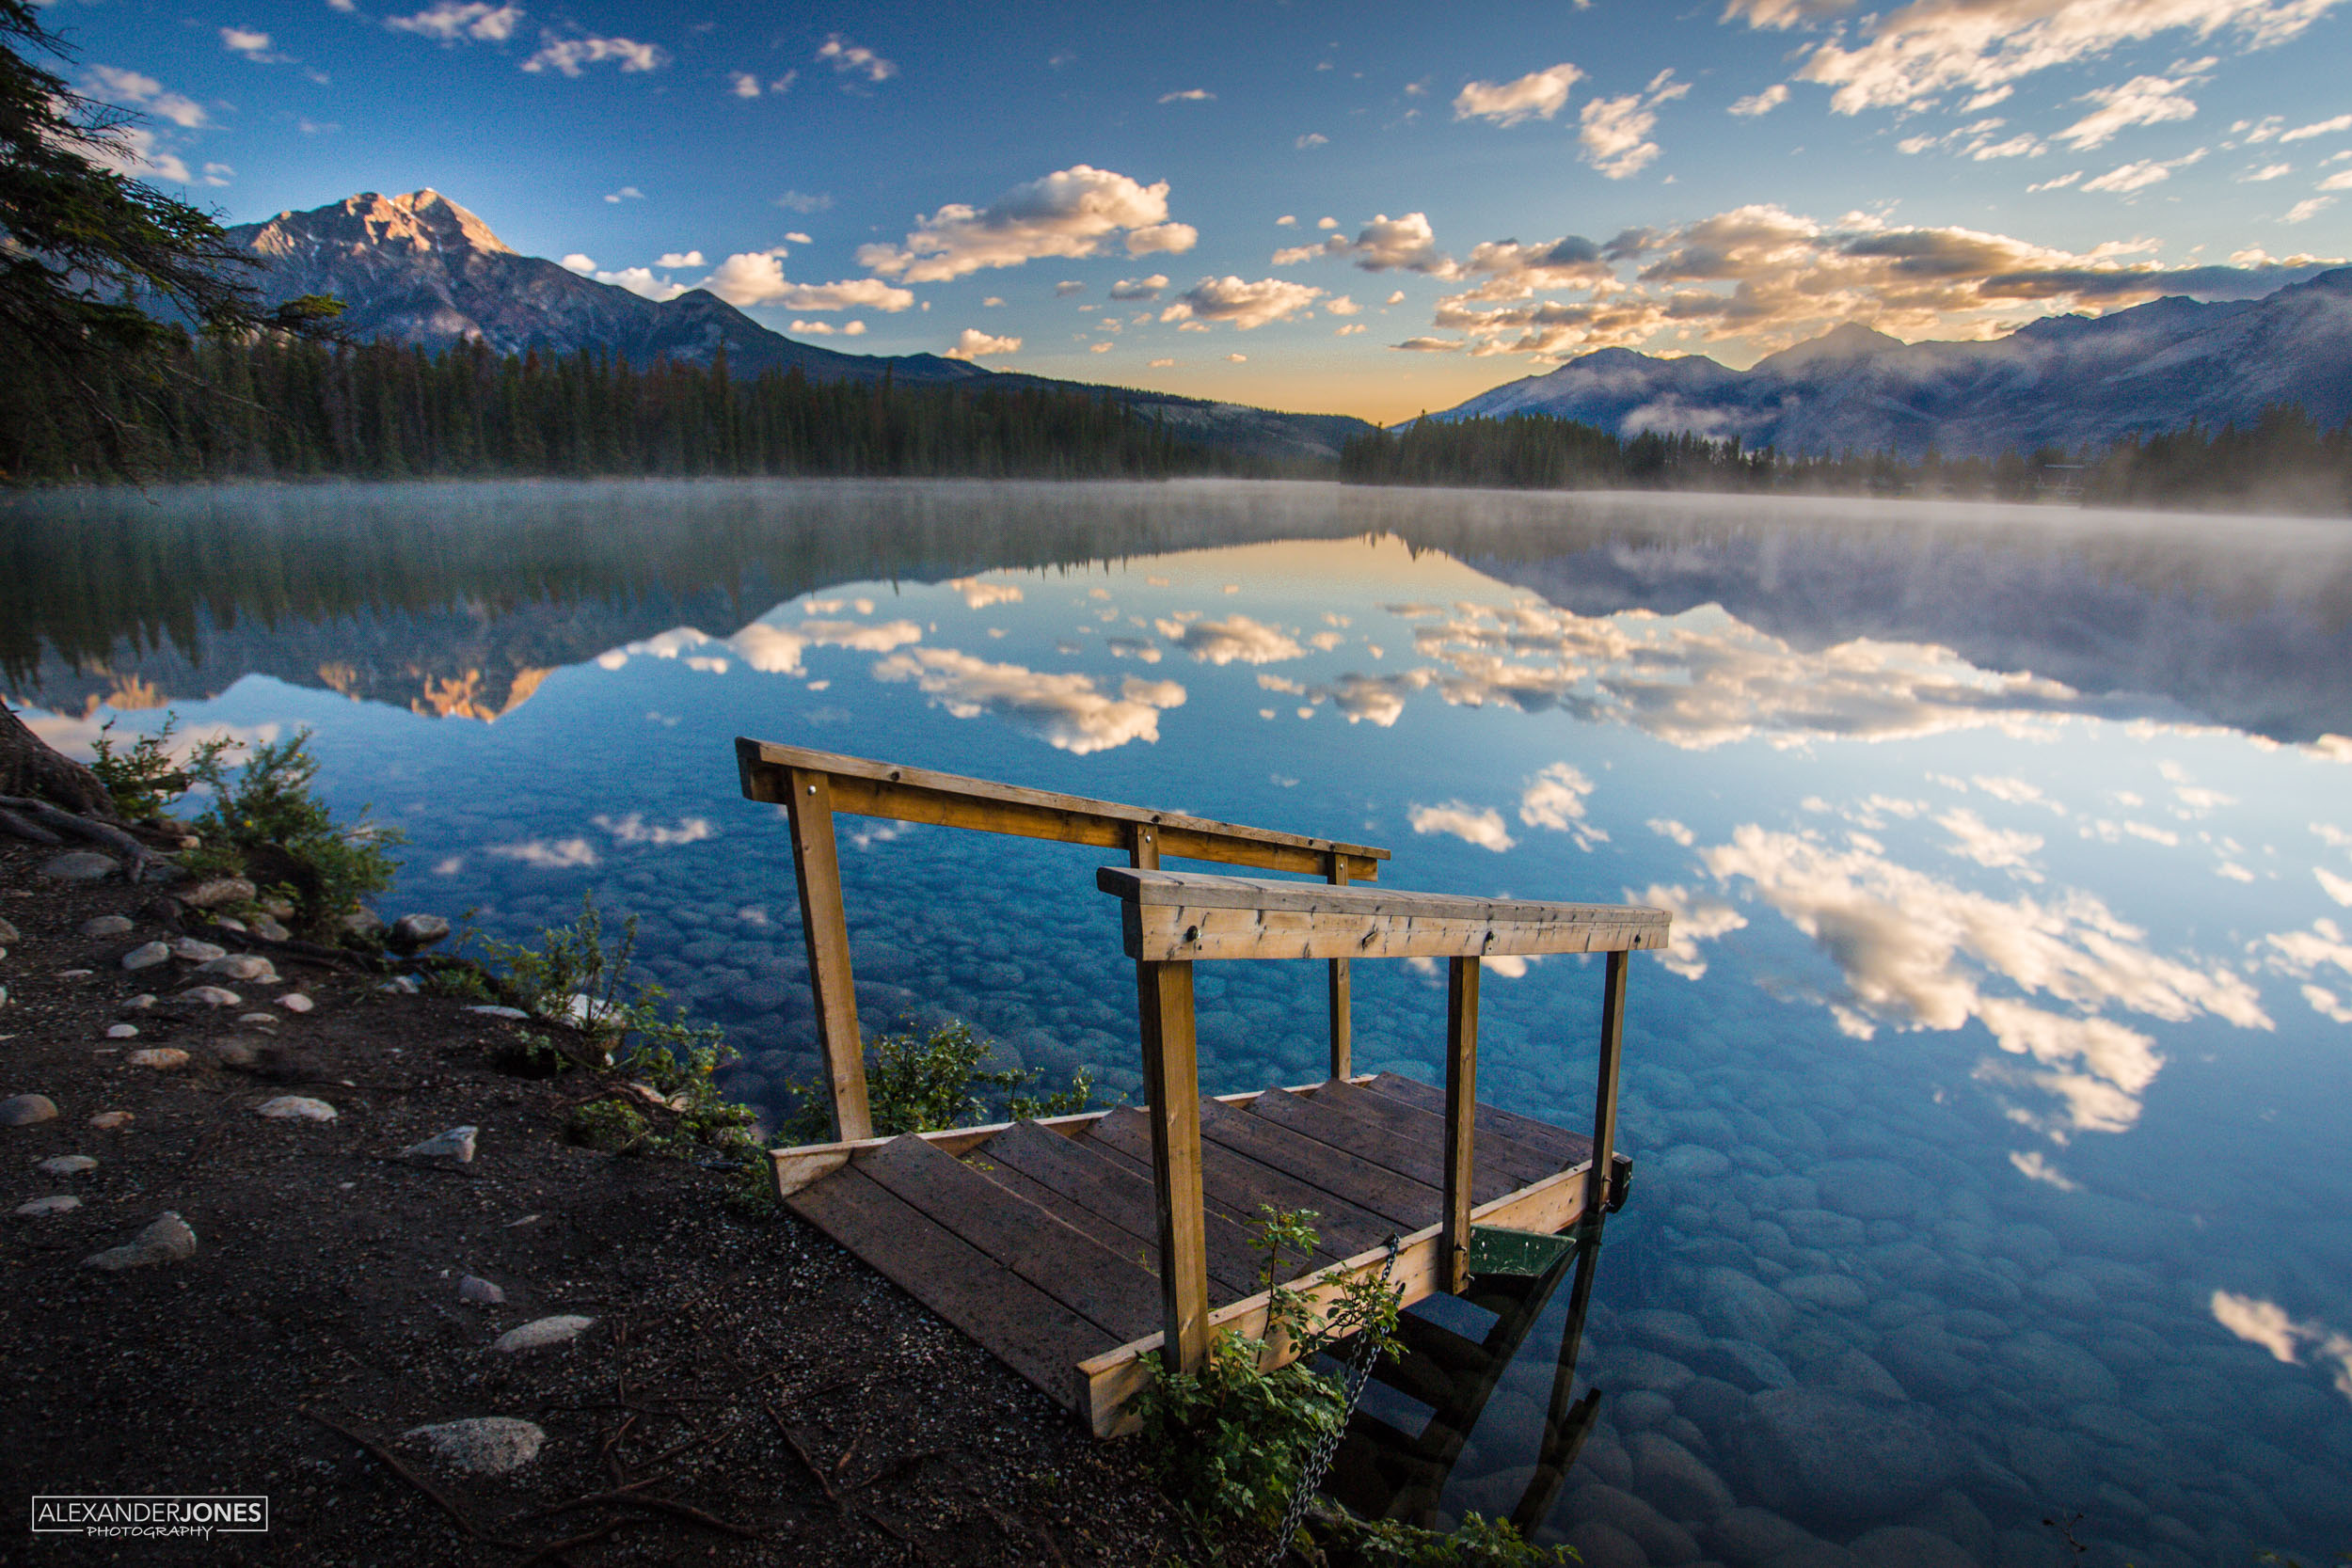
<point>2265,1322</point>
<point>1616,135</point>
<point>855,60</point>
<point>1235,639</point>
<point>1384,244</point>
<point>978,594</point>
<point>756,277</point>
<point>1911,54</point>
<point>1760,102</point>
<point>973,343</point>
<point>1246,304</point>
<point>2141,101</point>
<point>567,854</point>
<point>1999,849</point>
<point>145,93</point>
<point>1697,917</point>
<point>2033,1166</point>
<point>1478,825</point>
<point>633,830</point>
<point>450,21</point>
<point>1066,711</point>
<point>571,56</point>
<point>1919,953</point>
<point>1073,213</point>
<point>1555,798</point>
<point>1537,95</point>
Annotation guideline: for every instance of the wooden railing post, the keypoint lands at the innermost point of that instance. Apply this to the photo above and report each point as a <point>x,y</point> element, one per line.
<point>1461,1110</point>
<point>817,868</point>
<point>1605,1092</point>
<point>1343,1028</point>
<point>1172,1076</point>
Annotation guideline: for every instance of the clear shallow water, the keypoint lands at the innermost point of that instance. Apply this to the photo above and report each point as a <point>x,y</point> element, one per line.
<point>1992,1100</point>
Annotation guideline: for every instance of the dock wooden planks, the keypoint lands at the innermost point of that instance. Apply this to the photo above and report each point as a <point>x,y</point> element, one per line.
<point>1040,1240</point>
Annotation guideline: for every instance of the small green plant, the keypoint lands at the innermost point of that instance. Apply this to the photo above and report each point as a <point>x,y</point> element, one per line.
<point>269,823</point>
<point>921,1084</point>
<point>1479,1542</point>
<point>1228,1442</point>
<point>608,1125</point>
<point>575,977</point>
<point>146,781</point>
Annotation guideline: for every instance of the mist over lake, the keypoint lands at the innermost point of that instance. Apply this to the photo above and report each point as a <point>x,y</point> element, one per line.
<point>1996,1080</point>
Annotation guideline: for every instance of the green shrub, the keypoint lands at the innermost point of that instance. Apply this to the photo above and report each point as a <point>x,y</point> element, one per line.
<point>269,824</point>
<point>921,1084</point>
<point>1479,1542</point>
<point>1229,1443</point>
<point>145,780</point>
<point>608,1125</point>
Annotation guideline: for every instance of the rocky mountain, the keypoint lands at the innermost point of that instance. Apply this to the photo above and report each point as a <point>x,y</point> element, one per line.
<point>2064,381</point>
<point>420,269</point>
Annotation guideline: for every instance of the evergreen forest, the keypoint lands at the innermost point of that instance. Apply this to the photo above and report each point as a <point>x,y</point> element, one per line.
<point>274,407</point>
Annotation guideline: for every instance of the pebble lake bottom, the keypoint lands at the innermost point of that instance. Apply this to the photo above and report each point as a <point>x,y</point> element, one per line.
<point>1989,1108</point>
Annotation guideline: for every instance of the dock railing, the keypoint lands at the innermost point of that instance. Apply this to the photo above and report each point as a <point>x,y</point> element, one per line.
<point>1172,920</point>
<point>813,787</point>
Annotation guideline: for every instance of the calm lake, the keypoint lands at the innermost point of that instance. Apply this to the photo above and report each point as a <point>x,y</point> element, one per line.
<point>1991,1110</point>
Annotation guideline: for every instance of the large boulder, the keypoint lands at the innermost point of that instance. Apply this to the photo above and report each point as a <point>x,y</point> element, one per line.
<point>1823,1454</point>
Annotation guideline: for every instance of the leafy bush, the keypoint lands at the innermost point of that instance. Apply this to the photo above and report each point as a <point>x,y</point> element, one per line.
<point>574,977</point>
<point>922,1085</point>
<point>1229,1443</point>
<point>269,824</point>
<point>146,781</point>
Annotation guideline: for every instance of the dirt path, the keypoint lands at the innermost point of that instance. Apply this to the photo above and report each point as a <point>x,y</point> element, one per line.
<point>743,1392</point>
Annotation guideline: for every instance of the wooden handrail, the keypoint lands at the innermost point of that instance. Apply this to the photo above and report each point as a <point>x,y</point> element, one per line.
<point>1170,919</point>
<point>813,787</point>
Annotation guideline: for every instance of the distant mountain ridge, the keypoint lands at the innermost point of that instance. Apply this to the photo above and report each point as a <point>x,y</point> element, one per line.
<point>2065,381</point>
<point>420,269</point>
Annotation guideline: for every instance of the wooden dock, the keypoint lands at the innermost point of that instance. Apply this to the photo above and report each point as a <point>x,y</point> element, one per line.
<point>1074,1246</point>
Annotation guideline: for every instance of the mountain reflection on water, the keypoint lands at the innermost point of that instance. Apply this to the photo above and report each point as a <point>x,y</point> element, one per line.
<point>1989,1105</point>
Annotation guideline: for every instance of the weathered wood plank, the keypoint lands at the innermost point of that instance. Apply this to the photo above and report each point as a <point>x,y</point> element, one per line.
<point>1169,916</point>
<point>1461,1110</point>
<point>824,923</point>
<point>1240,1185</point>
<point>1172,1076</point>
<point>1421,1160</point>
<point>1342,986</point>
<point>1082,1175</point>
<point>1122,1136</point>
<point>1116,1293</point>
<point>871,788</point>
<point>1605,1088</point>
<point>1552,1204</point>
<point>1007,1316</point>
<point>1555,1142</point>
<point>1102,1233</point>
<point>1402,1202</point>
<point>1504,1162</point>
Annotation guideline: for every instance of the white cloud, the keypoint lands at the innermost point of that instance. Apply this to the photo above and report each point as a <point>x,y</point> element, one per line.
<point>1615,134</point>
<point>1407,242</point>
<point>2309,207</point>
<point>2266,1323</point>
<point>1313,139</point>
<point>1554,799</point>
<point>252,45</point>
<point>1190,95</point>
<point>1073,213</point>
<point>2139,175</point>
<point>743,84</point>
<point>1697,918</point>
<point>634,829</point>
<point>1140,288</point>
<point>2336,181</point>
<point>1538,95</point>
<point>2000,848</point>
<point>855,60</point>
<point>1915,52</point>
<point>137,153</point>
<point>1237,638</point>
<point>640,281</point>
<point>2141,101</point>
<point>450,21</point>
<point>680,259</point>
<point>2266,172</point>
<point>1918,953</point>
<point>144,93</point>
<point>569,56</point>
<point>2337,888</point>
<point>979,594</point>
<point>2034,1167</point>
<point>1761,103</point>
<point>1247,305</point>
<point>973,343</point>
<point>756,277</point>
<point>1479,825</point>
<point>1064,710</point>
<point>2057,185</point>
<point>626,193</point>
<point>559,855</point>
<point>2317,128</point>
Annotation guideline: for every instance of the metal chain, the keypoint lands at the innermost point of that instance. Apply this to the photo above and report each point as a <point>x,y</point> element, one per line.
<point>1319,1457</point>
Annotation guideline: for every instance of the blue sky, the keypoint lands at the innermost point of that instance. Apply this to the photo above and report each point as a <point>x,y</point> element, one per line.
<point>1360,209</point>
